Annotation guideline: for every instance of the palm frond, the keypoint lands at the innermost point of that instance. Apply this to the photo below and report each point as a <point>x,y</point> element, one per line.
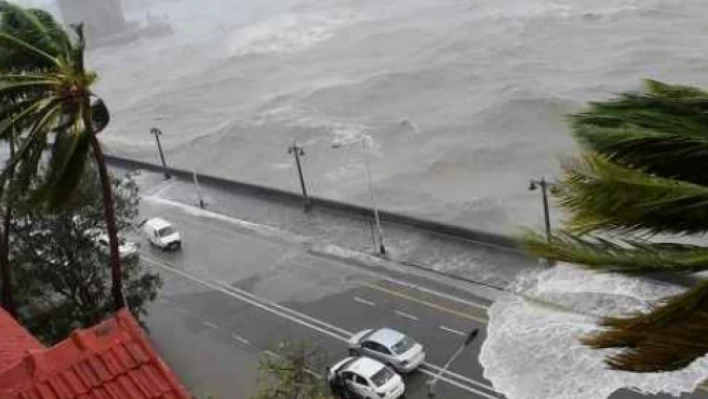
<point>66,166</point>
<point>662,131</point>
<point>47,114</point>
<point>13,91</point>
<point>670,337</point>
<point>28,166</point>
<point>25,115</point>
<point>602,195</point>
<point>28,48</point>
<point>666,90</point>
<point>630,256</point>
<point>36,28</point>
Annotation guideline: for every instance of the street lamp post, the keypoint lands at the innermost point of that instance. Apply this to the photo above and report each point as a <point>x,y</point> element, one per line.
<point>157,133</point>
<point>199,191</point>
<point>297,152</point>
<point>468,340</point>
<point>544,185</point>
<point>372,195</point>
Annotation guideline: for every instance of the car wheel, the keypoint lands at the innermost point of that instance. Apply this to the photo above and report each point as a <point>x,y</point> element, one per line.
<point>353,352</point>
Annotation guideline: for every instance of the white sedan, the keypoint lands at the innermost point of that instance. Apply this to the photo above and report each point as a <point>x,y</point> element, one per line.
<point>390,347</point>
<point>127,249</point>
<point>367,378</point>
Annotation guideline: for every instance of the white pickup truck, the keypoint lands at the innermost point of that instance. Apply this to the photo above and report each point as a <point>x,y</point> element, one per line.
<point>161,234</point>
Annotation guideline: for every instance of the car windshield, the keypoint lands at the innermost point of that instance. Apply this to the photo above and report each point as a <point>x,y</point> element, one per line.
<point>403,345</point>
<point>166,231</point>
<point>382,376</point>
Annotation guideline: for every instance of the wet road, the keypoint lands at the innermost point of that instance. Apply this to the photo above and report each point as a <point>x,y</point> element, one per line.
<point>259,291</point>
<point>236,290</point>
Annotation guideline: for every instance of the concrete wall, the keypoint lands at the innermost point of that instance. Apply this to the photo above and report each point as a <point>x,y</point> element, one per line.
<point>274,194</point>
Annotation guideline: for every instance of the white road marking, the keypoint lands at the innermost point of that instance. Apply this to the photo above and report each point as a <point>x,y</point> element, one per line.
<point>181,310</point>
<point>211,325</point>
<point>163,301</point>
<point>452,374</point>
<point>240,339</point>
<point>437,293</point>
<point>273,354</point>
<point>406,315</point>
<point>364,301</point>
<point>269,231</point>
<point>232,292</point>
<point>452,330</point>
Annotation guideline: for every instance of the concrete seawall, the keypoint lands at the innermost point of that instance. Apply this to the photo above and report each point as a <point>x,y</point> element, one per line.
<point>352,210</point>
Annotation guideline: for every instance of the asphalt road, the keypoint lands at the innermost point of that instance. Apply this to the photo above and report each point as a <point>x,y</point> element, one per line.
<point>236,291</point>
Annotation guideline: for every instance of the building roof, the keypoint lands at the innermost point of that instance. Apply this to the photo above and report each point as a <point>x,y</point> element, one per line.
<point>15,341</point>
<point>113,359</point>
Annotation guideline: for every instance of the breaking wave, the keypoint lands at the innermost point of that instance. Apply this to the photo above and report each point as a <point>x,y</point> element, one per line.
<point>547,339</point>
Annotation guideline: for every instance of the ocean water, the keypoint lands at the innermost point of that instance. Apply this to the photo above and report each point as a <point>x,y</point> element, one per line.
<point>462,101</point>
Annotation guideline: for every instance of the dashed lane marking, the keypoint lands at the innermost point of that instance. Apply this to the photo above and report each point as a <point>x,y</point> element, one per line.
<point>452,330</point>
<point>406,315</point>
<point>210,325</point>
<point>240,339</point>
<point>364,301</point>
<point>426,303</point>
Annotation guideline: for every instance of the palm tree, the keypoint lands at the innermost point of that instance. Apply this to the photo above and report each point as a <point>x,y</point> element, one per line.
<point>45,92</point>
<point>640,176</point>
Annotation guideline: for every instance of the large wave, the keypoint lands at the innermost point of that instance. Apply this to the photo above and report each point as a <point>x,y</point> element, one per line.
<point>555,364</point>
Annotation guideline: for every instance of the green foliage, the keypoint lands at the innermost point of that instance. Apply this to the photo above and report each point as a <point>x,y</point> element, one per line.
<point>640,175</point>
<point>288,376</point>
<point>603,195</point>
<point>62,277</point>
<point>630,256</point>
<point>45,93</point>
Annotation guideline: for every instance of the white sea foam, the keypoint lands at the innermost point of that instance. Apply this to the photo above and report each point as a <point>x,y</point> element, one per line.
<point>285,33</point>
<point>555,364</point>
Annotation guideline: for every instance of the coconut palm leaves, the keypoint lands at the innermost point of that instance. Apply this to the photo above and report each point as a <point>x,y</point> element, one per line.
<point>46,99</point>
<point>640,174</point>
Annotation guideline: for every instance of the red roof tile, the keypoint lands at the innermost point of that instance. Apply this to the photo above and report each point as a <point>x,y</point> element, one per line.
<point>113,360</point>
<point>15,341</point>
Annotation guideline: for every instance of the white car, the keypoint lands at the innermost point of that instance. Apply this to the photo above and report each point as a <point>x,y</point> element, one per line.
<point>390,347</point>
<point>162,234</point>
<point>367,378</point>
<point>127,249</point>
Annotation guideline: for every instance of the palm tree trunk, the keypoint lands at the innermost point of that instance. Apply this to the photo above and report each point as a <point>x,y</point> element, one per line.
<point>8,302</point>
<point>109,215</point>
